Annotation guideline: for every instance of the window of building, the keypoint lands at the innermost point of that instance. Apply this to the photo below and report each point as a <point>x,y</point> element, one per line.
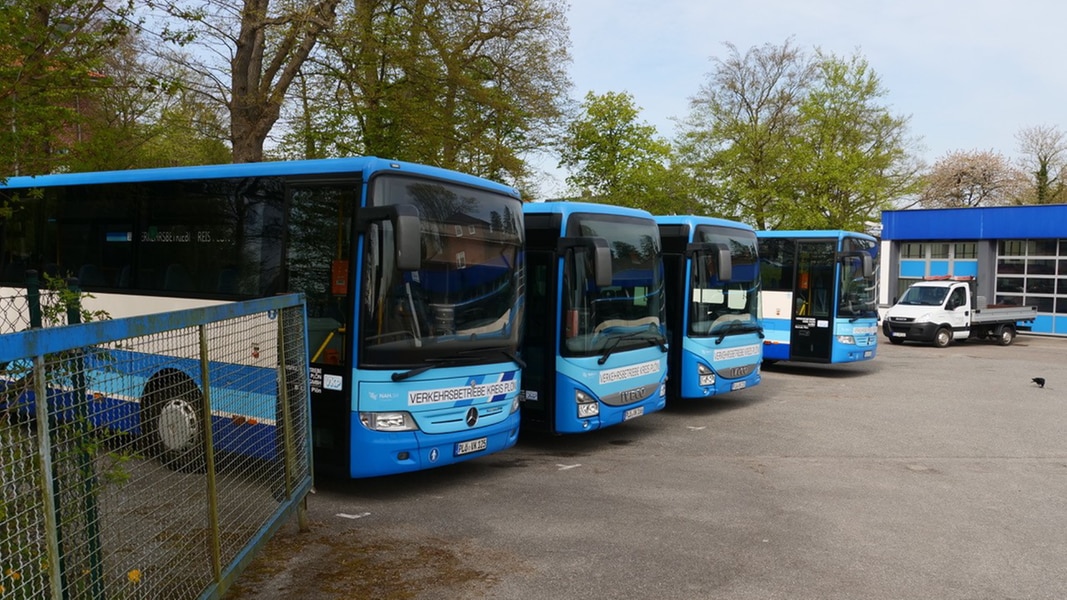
<point>939,250</point>
<point>1027,273</point>
<point>912,250</point>
<point>965,250</point>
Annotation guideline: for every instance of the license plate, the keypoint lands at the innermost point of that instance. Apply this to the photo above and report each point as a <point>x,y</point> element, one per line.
<point>737,385</point>
<point>899,334</point>
<point>471,446</point>
<point>633,412</point>
<point>868,354</point>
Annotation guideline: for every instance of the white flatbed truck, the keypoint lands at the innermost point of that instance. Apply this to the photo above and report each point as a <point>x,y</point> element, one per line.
<point>939,311</point>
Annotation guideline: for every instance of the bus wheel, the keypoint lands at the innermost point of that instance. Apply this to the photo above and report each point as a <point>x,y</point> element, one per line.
<point>1005,335</point>
<point>943,337</point>
<point>174,418</point>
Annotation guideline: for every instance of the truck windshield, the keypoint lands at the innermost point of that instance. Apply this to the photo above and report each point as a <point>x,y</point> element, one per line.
<point>924,296</point>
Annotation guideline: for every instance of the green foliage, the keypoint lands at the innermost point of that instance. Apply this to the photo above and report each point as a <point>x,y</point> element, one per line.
<point>616,159</point>
<point>53,51</point>
<point>784,141</point>
<point>467,85</point>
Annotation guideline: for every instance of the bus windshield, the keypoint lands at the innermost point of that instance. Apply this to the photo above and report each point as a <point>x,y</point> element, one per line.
<point>720,306</point>
<point>626,314</point>
<point>858,294</point>
<point>465,295</point>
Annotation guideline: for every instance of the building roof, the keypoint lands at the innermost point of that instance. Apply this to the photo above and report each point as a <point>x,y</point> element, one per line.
<point>982,223</point>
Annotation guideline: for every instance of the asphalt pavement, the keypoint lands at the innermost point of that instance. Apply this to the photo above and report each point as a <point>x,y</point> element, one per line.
<point>926,473</point>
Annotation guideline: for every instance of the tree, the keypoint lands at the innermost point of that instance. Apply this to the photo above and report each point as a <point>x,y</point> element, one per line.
<point>144,115</point>
<point>613,157</point>
<point>247,56</point>
<point>735,140</point>
<point>780,140</point>
<point>470,85</point>
<point>1044,150</point>
<point>966,179</point>
<point>53,51</point>
<point>852,152</point>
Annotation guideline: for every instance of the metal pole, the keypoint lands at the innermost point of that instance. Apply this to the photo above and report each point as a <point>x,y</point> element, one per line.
<point>209,459</point>
<point>48,481</point>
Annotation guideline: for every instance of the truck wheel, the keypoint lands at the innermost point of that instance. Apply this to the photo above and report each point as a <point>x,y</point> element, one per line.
<point>1005,335</point>
<point>943,337</point>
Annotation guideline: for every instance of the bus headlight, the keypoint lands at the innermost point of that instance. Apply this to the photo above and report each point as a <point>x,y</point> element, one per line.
<point>387,421</point>
<point>707,376</point>
<point>846,339</point>
<point>587,405</point>
<point>515,405</point>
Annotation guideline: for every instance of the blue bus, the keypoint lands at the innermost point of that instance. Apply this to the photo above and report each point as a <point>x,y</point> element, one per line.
<point>819,297</point>
<point>594,346</point>
<point>413,278</point>
<point>713,283</point>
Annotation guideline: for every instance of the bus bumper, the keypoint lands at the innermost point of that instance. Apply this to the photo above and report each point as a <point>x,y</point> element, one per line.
<point>404,452</point>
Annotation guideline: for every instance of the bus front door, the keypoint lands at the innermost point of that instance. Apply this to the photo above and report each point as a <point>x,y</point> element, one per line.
<point>812,330</point>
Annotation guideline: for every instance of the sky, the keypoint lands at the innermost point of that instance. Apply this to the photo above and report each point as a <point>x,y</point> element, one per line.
<point>969,74</point>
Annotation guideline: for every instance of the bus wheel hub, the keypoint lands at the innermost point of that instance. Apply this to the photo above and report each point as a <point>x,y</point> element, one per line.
<point>178,425</point>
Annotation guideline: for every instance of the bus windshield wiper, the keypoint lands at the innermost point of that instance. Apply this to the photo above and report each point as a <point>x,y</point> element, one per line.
<point>738,327</point>
<point>464,357</point>
<point>657,339</point>
<point>486,352</point>
<point>431,363</point>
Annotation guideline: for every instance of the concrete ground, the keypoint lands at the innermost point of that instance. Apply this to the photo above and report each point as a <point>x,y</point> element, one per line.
<point>926,473</point>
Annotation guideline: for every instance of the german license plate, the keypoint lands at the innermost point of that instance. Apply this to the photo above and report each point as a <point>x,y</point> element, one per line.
<point>471,446</point>
<point>633,413</point>
<point>737,385</point>
<point>899,334</point>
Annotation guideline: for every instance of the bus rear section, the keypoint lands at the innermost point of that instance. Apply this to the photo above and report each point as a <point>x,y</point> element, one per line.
<point>712,282</point>
<point>819,300</point>
<point>595,347</point>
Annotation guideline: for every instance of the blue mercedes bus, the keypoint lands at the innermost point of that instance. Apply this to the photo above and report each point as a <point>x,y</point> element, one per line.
<point>595,348</point>
<point>413,278</point>
<point>712,283</point>
<point>819,297</point>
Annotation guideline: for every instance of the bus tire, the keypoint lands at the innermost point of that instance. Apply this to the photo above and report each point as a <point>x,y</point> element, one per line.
<point>172,415</point>
<point>1005,334</point>
<point>943,337</point>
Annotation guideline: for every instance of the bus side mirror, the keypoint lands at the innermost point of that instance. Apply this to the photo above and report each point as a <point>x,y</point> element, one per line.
<point>725,263</point>
<point>602,272</point>
<point>406,228</point>
<point>720,253</point>
<point>868,265</point>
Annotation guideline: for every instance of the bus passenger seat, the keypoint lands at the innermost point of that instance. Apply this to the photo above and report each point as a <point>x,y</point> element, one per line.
<point>91,275</point>
<point>227,281</point>
<point>177,278</point>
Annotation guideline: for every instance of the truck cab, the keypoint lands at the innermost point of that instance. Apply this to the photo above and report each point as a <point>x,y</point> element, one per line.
<point>943,310</point>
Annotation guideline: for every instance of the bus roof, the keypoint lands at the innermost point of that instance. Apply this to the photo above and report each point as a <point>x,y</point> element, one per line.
<point>567,207</point>
<point>813,233</point>
<point>694,220</point>
<point>324,166</point>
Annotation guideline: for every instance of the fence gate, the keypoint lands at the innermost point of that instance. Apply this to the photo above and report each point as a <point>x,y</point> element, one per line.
<point>150,457</point>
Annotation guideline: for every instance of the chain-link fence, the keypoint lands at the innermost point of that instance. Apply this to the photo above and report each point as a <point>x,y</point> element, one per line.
<point>167,448</point>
